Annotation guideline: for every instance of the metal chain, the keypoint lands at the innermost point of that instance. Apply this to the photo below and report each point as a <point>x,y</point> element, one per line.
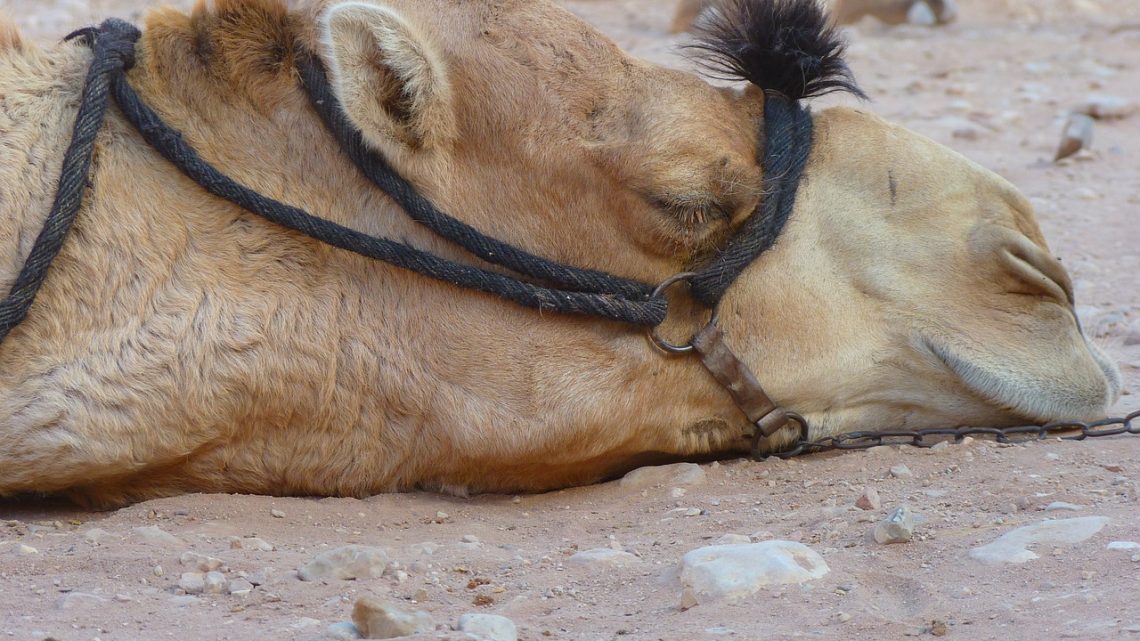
<point>930,437</point>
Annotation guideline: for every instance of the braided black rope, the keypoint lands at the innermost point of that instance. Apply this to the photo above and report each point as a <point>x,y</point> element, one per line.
<point>786,151</point>
<point>169,143</point>
<point>376,168</point>
<point>112,56</point>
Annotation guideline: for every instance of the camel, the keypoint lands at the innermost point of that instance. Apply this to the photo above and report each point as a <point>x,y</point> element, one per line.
<point>182,344</point>
<point>845,12</point>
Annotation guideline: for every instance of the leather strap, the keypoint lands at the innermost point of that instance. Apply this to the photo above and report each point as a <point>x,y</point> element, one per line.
<point>740,382</point>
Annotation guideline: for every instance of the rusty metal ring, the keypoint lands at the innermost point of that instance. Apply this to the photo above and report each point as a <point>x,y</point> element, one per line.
<point>658,342</point>
<point>797,447</point>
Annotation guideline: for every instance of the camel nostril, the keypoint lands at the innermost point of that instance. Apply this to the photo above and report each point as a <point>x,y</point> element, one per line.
<point>1034,266</point>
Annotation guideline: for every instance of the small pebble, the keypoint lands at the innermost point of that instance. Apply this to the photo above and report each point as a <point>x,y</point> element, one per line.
<point>598,557</point>
<point>214,583</point>
<point>277,514</point>
<point>1123,545</point>
<point>157,536</point>
<point>26,550</point>
<point>346,562</point>
<point>1057,506</point>
<point>1104,107</point>
<point>192,582</point>
<point>240,587</point>
<point>901,471</point>
<point>1078,135</point>
<point>488,627</point>
<point>869,499</point>
<point>202,562</point>
<point>898,527</point>
<point>378,620</point>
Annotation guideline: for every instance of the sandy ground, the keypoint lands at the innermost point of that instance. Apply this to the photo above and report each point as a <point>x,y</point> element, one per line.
<point>995,86</point>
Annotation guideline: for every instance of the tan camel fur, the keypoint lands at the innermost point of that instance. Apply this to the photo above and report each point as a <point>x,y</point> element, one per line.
<point>843,12</point>
<point>182,344</point>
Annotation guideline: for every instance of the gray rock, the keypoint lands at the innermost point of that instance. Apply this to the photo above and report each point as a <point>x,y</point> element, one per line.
<point>251,543</point>
<point>192,582</point>
<point>202,562</point>
<point>869,499</point>
<point>377,620</point>
<point>240,587</point>
<point>733,539</point>
<point>921,14</point>
<point>488,627</point>
<point>901,471</point>
<point>346,562</point>
<point>77,600</point>
<point>1123,545</point>
<point>898,527</point>
<point>679,474</point>
<point>343,631</point>
<point>215,583</point>
<point>1012,547</point>
<point>1078,135</point>
<point>1104,107</point>
<point>603,557</point>
<point>1057,506</point>
<point>156,536</point>
<point>733,572</point>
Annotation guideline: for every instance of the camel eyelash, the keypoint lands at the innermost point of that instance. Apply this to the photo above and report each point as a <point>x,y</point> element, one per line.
<point>692,210</point>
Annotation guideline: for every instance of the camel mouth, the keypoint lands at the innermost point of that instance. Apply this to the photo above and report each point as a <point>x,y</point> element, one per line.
<point>1055,393</point>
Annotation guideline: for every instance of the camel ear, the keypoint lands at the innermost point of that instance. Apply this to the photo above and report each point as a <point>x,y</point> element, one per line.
<point>390,79</point>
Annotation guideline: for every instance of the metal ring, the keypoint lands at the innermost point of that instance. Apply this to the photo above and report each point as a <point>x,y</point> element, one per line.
<point>658,342</point>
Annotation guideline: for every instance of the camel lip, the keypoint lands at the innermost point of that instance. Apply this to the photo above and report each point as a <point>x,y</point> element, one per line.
<point>1023,399</point>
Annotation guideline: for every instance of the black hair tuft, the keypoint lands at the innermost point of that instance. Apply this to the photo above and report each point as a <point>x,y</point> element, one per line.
<point>783,46</point>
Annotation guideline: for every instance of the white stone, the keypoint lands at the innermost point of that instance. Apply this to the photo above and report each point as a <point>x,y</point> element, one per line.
<point>202,562</point>
<point>603,557</point>
<point>921,14</point>
<point>26,550</point>
<point>156,536</point>
<point>1012,547</point>
<point>255,544</point>
<point>377,620</point>
<point>192,582</point>
<point>346,562</point>
<point>733,572</point>
<point>1123,545</point>
<point>678,474</point>
<point>277,514</point>
<point>74,600</point>
<point>901,471</point>
<point>488,627</point>
<point>898,527</point>
<point>215,583</point>
<point>1056,506</point>
<point>240,587</point>
<point>1108,107</point>
<point>733,539</point>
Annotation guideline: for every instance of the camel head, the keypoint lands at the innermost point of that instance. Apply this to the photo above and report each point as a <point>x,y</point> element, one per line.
<point>911,287</point>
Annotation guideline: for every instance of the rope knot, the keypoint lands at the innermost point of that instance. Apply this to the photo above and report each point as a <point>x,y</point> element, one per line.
<point>117,38</point>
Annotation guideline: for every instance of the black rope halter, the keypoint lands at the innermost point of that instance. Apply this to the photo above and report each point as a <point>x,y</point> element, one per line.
<point>550,286</point>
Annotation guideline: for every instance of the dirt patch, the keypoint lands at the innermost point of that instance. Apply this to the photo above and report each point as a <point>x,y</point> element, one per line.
<point>996,86</point>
